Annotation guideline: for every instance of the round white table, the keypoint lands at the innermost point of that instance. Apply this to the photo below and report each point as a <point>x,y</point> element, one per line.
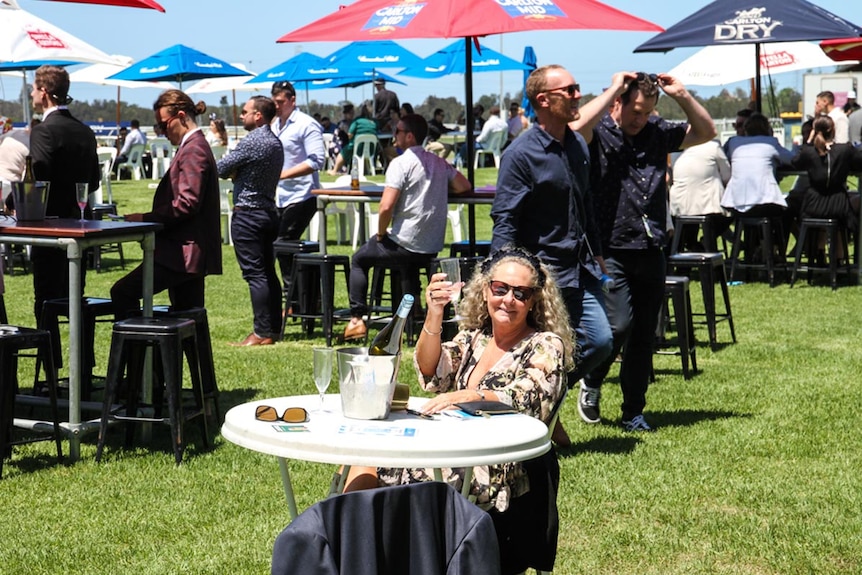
<point>401,440</point>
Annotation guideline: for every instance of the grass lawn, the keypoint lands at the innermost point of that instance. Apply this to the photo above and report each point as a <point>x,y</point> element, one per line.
<point>754,469</point>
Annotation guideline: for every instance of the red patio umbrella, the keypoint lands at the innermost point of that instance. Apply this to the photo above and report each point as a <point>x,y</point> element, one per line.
<point>129,3</point>
<point>843,49</point>
<point>403,19</point>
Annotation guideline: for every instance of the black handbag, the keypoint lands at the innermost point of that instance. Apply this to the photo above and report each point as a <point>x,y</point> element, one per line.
<point>485,408</point>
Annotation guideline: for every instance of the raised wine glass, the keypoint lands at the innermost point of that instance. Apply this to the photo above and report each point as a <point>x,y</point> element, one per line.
<point>82,194</point>
<point>323,370</point>
<point>452,268</point>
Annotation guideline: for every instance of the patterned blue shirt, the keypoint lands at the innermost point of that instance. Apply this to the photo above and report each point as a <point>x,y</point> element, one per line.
<point>628,180</point>
<point>255,165</point>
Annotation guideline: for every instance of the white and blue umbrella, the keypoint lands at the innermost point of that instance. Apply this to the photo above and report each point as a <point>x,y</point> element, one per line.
<point>452,60</point>
<point>373,55</point>
<point>531,62</point>
<point>178,64</point>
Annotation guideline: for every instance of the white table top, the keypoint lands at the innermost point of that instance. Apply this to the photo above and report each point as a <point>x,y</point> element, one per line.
<point>402,440</point>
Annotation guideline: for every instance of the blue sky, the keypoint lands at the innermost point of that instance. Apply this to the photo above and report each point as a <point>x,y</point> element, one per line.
<point>246,31</point>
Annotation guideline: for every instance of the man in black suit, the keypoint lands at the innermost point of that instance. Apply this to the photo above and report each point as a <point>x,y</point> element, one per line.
<point>64,152</point>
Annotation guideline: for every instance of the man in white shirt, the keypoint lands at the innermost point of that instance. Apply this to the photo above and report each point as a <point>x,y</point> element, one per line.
<point>493,125</point>
<point>135,136</point>
<point>304,157</point>
<point>825,104</point>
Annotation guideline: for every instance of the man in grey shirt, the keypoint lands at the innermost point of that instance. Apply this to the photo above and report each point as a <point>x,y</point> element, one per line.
<point>414,204</point>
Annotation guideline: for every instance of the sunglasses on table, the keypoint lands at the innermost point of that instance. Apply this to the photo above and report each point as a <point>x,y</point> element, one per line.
<point>520,293</point>
<point>643,76</point>
<point>290,415</point>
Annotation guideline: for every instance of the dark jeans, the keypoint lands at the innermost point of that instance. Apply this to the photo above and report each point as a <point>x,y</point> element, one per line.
<point>590,322</point>
<point>185,290</point>
<point>293,220</point>
<point>633,306</point>
<point>374,252</point>
<point>253,232</point>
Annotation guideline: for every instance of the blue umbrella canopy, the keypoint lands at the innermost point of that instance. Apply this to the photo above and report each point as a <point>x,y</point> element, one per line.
<point>372,55</point>
<point>530,61</point>
<point>745,22</point>
<point>178,63</point>
<point>452,60</point>
<point>306,70</point>
<point>298,68</point>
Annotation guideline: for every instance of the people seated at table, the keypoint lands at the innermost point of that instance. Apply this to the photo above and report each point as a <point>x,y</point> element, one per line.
<point>697,183</point>
<point>363,125</point>
<point>217,134</point>
<point>490,129</point>
<point>753,190</point>
<point>411,219</point>
<point>516,347</point>
<point>436,129</point>
<point>828,164</point>
<point>134,137</point>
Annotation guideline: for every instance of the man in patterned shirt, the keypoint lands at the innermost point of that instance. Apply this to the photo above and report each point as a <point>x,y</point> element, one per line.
<point>255,166</point>
<point>628,153</point>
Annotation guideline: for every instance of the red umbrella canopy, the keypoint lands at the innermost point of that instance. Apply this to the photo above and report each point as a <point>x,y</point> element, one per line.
<point>403,19</point>
<point>843,49</point>
<point>129,3</point>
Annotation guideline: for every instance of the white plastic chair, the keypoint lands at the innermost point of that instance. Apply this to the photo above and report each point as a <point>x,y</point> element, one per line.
<point>107,155</point>
<point>459,224</point>
<point>133,162</point>
<point>327,142</point>
<point>225,187</point>
<point>365,149</point>
<point>493,146</point>
<point>162,152</point>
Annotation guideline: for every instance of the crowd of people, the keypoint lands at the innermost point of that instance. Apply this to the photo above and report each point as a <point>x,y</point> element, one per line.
<point>583,195</point>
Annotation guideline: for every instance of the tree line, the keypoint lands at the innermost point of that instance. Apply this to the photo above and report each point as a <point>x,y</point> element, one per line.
<point>725,104</point>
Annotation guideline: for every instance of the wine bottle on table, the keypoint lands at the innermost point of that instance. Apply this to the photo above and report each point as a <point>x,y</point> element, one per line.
<point>29,178</point>
<point>388,339</point>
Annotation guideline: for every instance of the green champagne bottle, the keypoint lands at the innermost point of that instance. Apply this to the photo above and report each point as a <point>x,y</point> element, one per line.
<point>388,340</point>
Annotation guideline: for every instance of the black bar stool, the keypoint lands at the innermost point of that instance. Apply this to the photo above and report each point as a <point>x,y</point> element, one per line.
<point>700,223</point>
<point>92,308</point>
<point>99,211</point>
<point>284,250</point>
<point>169,338</point>
<point>12,340</point>
<point>312,286</point>
<point>814,227</point>
<point>710,268</point>
<point>403,278</point>
<point>770,233</point>
<point>676,290</point>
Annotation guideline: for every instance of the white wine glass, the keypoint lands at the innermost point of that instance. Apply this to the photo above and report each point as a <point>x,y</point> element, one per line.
<point>452,268</point>
<point>322,370</point>
<point>82,193</point>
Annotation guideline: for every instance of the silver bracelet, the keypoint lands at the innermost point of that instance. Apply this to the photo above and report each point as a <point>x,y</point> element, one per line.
<point>481,394</point>
<point>425,329</point>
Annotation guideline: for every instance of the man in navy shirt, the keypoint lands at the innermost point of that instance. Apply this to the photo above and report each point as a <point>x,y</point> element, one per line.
<point>628,152</point>
<point>255,166</point>
<point>544,204</point>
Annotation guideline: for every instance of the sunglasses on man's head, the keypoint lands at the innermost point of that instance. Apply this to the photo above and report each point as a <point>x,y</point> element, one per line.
<point>500,289</point>
<point>284,85</point>
<point>290,415</point>
<point>643,76</point>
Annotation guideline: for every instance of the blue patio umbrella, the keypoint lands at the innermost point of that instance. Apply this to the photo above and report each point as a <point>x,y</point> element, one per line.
<point>529,61</point>
<point>373,55</point>
<point>178,63</point>
<point>725,22</point>
<point>452,60</point>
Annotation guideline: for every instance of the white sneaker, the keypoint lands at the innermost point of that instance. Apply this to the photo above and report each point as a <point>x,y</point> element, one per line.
<point>637,423</point>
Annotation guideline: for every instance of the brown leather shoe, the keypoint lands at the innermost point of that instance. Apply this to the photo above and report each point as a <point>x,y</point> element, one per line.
<point>252,339</point>
<point>354,331</point>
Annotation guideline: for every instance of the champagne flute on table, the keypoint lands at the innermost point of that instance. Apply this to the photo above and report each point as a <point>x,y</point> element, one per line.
<point>322,370</point>
<point>452,268</point>
<point>82,193</point>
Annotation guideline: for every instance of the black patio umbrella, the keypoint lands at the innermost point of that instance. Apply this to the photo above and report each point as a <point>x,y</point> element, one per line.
<point>725,22</point>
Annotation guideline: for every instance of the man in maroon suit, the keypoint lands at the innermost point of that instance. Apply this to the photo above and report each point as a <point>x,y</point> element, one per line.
<point>187,203</point>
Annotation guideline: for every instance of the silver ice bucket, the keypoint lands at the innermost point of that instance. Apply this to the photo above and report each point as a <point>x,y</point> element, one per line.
<point>31,199</point>
<point>366,382</point>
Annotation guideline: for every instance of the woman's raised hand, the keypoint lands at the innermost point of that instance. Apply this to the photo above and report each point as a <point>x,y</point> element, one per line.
<point>437,294</point>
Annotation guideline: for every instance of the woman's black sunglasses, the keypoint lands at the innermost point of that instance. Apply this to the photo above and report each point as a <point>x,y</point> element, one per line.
<point>521,293</point>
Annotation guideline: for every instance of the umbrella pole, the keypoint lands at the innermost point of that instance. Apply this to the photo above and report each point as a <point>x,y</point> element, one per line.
<point>118,109</point>
<point>235,127</point>
<point>758,106</point>
<point>25,100</point>
<point>468,80</point>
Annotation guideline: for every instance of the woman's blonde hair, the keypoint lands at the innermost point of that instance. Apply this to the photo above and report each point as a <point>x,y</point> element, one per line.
<point>548,312</point>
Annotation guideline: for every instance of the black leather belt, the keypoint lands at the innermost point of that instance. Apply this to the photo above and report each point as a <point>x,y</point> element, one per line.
<point>250,209</point>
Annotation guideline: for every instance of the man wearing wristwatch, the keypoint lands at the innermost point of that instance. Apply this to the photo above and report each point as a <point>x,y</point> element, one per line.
<point>412,215</point>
